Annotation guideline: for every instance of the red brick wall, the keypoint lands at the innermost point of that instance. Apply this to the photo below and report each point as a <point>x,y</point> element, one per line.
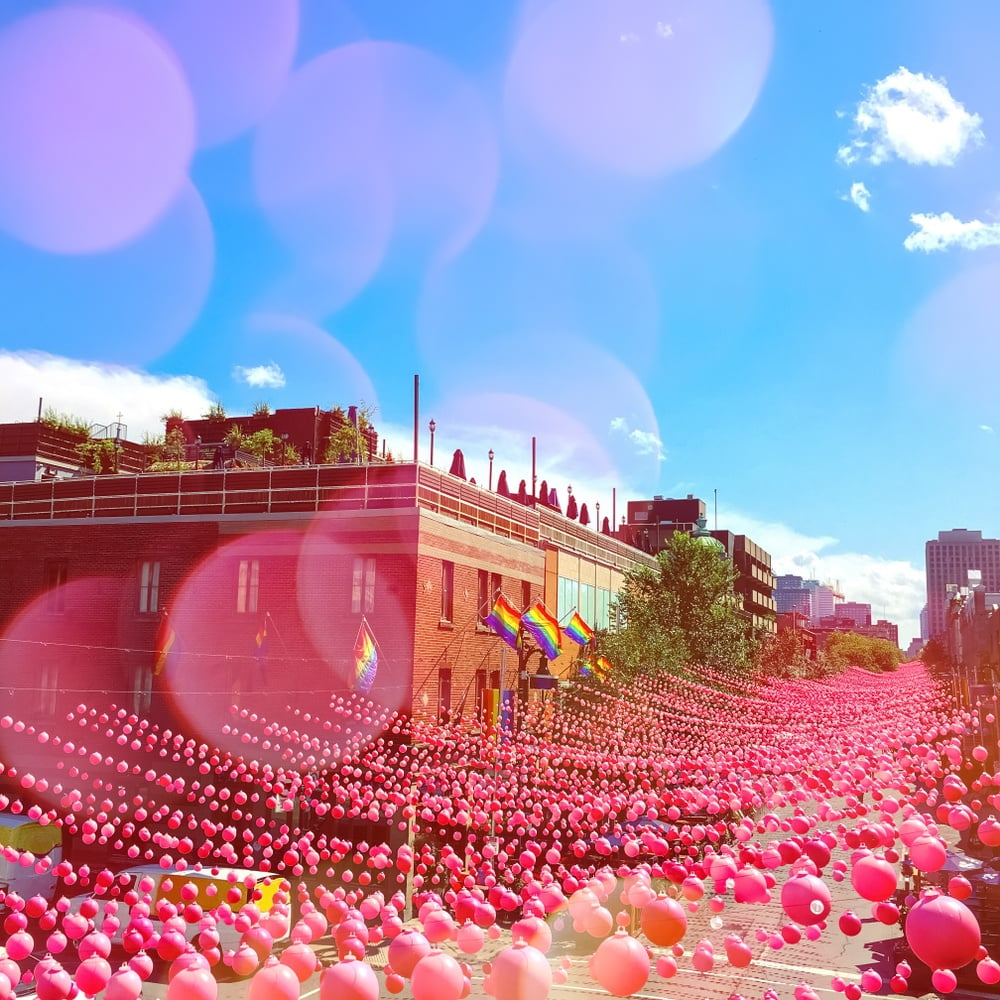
<point>463,646</point>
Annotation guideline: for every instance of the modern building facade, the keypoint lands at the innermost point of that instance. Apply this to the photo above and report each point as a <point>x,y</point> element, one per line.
<point>652,523</point>
<point>860,614</point>
<point>949,559</point>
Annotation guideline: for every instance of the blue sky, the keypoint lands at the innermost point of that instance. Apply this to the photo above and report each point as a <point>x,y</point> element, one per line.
<point>690,246</point>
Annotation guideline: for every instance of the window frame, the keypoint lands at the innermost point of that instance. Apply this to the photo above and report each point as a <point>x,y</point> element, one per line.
<point>447,592</point>
<point>56,576</point>
<point>247,586</point>
<point>363,585</point>
<point>150,574</point>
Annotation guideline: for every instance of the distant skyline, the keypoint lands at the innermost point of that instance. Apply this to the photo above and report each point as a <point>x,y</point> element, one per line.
<point>721,245</point>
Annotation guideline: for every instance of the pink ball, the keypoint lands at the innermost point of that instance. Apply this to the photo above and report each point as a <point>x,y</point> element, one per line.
<point>406,949</point>
<point>988,971</point>
<point>806,899</point>
<point>620,965</point>
<point>663,921</point>
<point>521,971</point>
<point>873,878</point>
<point>92,975</point>
<point>301,959</point>
<point>350,979</point>
<point>738,953</point>
<point>928,853</point>
<point>125,984</point>
<point>470,938</point>
<point>533,931</point>
<point>437,976</point>
<point>943,932</point>
<point>944,980</point>
<point>193,984</point>
<point>274,982</point>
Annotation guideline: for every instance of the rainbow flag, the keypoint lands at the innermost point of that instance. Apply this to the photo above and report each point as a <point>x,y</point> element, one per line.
<point>578,630</point>
<point>260,642</point>
<point>596,666</point>
<point>365,659</point>
<point>166,645</point>
<point>543,628</point>
<point>504,620</point>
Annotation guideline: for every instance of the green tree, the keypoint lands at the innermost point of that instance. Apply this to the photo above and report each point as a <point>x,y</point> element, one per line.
<point>685,612</point>
<point>785,654</point>
<point>935,654</point>
<point>261,409</point>
<point>349,444</point>
<point>68,422</point>
<point>99,454</point>
<point>846,649</point>
<point>216,412</point>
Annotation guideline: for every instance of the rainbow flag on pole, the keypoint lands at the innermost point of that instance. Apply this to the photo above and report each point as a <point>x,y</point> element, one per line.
<point>504,620</point>
<point>166,645</point>
<point>578,630</point>
<point>365,659</point>
<point>543,628</point>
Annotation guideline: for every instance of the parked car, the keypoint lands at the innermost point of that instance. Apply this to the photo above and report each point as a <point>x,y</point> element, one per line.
<point>219,892</point>
<point>25,834</point>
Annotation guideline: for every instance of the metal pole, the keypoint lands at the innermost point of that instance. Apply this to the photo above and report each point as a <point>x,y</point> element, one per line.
<point>614,512</point>
<point>416,416</point>
<point>533,476</point>
<point>716,492</point>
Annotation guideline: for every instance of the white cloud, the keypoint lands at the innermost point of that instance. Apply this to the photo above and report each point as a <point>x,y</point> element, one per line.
<point>939,232</point>
<point>96,392</point>
<point>895,589</point>
<point>644,442</point>
<point>860,196</point>
<point>914,118</point>
<point>269,376</point>
<point>986,428</point>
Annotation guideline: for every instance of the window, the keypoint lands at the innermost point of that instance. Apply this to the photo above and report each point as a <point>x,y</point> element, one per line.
<point>142,688</point>
<point>603,617</point>
<point>149,588</point>
<point>447,591</point>
<point>568,596</point>
<point>247,585</point>
<point>363,586</point>
<point>444,694</point>
<point>480,692</point>
<point>48,688</point>
<point>587,606</point>
<point>55,581</point>
<point>483,596</point>
<point>525,594</point>
<point>496,585</point>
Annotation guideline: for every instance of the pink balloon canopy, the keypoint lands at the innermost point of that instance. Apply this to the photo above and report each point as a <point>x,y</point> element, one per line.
<point>618,815</point>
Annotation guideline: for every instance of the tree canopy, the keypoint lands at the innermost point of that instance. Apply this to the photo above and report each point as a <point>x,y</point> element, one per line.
<point>683,612</point>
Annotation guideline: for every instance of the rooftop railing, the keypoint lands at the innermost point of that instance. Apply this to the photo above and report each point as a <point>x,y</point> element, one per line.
<point>303,491</point>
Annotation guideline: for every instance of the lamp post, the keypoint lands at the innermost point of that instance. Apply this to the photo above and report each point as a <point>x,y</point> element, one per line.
<point>491,469</point>
<point>597,507</point>
<point>433,427</point>
<point>197,452</point>
<point>284,446</point>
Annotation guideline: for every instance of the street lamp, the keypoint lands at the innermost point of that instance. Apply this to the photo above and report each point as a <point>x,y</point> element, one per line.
<point>597,506</point>
<point>490,455</point>
<point>433,427</point>
<point>197,452</point>
<point>284,447</point>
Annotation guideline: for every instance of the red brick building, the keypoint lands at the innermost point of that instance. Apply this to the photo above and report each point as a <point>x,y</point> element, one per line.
<point>88,567</point>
